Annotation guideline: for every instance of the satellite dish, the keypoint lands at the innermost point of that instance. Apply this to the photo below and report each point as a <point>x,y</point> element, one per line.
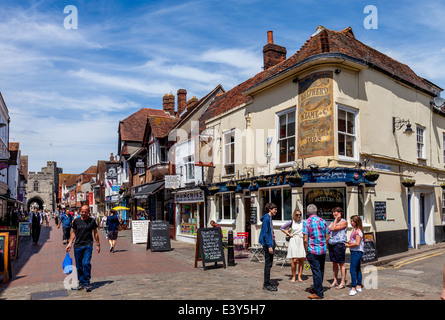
<point>439,102</point>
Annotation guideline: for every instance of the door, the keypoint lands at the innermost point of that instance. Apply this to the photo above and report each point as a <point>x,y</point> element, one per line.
<point>422,219</point>
<point>410,244</point>
<point>247,204</point>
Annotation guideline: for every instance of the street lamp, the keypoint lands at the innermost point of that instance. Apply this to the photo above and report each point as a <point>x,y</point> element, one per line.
<point>398,124</point>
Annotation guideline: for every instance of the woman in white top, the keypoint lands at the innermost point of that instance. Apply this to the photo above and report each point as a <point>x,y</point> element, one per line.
<point>356,246</point>
<point>295,249</point>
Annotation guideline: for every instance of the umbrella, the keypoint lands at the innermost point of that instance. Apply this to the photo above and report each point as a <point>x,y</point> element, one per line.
<point>140,209</point>
<point>120,208</point>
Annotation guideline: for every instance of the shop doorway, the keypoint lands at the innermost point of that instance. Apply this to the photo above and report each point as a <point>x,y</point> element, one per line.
<point>422,222</point>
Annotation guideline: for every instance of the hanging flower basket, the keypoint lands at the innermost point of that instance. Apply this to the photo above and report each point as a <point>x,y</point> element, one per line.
<point>261,182</point>
<point>294,178</point>
<point>231,186</point>
<point>213,189</point>
<point>442,185</point>
<point>371,175</point>
<point>244,184</point>
<point>408,182</point>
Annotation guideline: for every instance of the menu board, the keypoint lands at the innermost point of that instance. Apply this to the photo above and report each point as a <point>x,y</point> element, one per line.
<point>24,229</point>
<point>370,251</point>
<point>5,264</point>
<point>139,231</point>
<point>209,247</point>
<point>380,210</point>
<point>159,236</point>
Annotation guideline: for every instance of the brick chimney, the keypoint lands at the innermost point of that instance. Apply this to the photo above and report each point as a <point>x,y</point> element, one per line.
<point>168,103</point>
<point>273,53</point>
<point>182,100</point>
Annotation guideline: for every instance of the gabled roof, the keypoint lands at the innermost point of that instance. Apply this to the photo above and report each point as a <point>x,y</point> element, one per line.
<point>132,128</point>
<point>323,43</point>
<point>161,126</point>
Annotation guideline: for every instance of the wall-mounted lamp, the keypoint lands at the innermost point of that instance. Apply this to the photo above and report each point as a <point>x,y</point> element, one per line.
<point>398,124</point>
<point>313,167</point>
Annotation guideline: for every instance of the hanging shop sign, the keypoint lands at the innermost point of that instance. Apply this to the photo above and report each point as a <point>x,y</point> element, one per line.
<point>315,115</point>
<point>190,196</point>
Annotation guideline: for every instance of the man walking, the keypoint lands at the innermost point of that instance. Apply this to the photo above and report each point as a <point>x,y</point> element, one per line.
<point>83,230</point>
<point>66,221</point>
<point>316,236</point>
<point>267,240</point>
<point>36,220</point>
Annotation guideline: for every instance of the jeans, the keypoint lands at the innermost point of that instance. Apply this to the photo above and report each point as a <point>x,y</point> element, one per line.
<point>268,261</point>
<point>317,262</point>
<point>66,232</point>
<point>82,256</point>
<point>355,268</point>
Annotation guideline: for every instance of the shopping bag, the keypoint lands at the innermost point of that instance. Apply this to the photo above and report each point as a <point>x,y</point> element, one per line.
<point>67,264</point>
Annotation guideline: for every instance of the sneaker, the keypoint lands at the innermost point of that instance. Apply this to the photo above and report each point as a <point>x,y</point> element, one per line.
<point>79,288</point>
<point>352,292</point>
<point>358,289</point>
<point>270,288</point>
<point>88,288</point>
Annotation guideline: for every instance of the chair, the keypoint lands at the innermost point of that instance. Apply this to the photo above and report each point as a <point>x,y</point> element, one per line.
<point>240,243</point>
<point>257,252</point>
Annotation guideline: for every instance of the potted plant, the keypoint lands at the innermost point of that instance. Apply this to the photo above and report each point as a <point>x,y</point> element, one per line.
<point>371,175</point>
<point>213,189</point>
<point>231,186</point>
<point>244,183</point>
<point>294,178</point>
<point>408,182</point>
<point>261,182</point>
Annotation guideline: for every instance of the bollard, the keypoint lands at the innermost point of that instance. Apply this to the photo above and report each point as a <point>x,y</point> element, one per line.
<point>230,250</point>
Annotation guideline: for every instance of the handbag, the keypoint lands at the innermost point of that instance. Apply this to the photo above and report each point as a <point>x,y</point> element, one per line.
<point>288,237</point>
<point>67,264</point>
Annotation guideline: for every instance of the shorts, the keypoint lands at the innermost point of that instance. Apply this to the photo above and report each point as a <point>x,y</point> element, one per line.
<point>112,235</point>
<point>337,252</point>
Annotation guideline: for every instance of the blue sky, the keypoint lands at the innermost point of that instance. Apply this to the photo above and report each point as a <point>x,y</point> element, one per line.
<point>71,87</point>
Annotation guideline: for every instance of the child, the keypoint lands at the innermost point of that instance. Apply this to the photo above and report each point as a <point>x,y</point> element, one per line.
<point>356,245</point>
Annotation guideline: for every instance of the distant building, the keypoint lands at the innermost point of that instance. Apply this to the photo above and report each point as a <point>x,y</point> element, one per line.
<point>42,188</point>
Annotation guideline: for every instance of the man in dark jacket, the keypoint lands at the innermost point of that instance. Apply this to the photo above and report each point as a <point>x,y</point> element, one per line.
<point>267,240</point>
<point>36,220</point>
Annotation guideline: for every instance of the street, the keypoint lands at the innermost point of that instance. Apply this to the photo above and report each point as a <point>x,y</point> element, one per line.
<point>132,273</point>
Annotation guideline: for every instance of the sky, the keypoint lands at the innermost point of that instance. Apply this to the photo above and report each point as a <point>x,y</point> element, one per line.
<point>67,88</point>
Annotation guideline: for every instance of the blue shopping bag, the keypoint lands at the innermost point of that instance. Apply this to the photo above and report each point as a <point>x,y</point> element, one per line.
<point>67,264</point>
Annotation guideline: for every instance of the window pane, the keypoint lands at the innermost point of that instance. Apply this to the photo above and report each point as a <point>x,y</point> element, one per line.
<point>291,151</point>
<point>232,197</point>
<point>283,147</point>
<point>287,203</point>
<point>263,200</point>
<point>218,204</point>
<point>341,120</point>
<point>275,198</point>
<point>226,205</point>
<point>341,145</point>
<point>291,124</point>
<point>350,146</point>
<point>350,123</point>
<point>282,126</point>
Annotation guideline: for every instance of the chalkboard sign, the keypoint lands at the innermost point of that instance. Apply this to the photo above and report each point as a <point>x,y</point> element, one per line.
<point>139,231</point>
<point>370,251</point>
<point>209,247</point>
<point>24,229</point>
<point>380,210</point>
<point>5,263</point>
<point>159,236</point>
<point>253,215</point>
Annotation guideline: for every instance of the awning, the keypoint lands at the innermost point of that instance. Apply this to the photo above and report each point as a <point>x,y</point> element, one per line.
<point>147,189</point>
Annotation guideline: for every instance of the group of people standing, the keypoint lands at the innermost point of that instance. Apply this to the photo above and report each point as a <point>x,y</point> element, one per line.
<point>311,239</point>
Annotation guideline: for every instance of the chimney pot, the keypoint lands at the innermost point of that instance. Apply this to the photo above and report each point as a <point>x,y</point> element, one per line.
<point>269,36</point>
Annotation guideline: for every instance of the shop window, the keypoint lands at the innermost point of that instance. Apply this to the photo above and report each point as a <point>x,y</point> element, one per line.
<point>347,133</point>
<point>229,153</point>
<point>286,136</point>
<point>225,206</point>
<point>420,132</point>
<point>189,218</point>
<point>282,198</point>
<point>325,199</point>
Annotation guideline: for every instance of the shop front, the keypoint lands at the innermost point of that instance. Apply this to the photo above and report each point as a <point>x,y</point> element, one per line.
<point>189,214</point>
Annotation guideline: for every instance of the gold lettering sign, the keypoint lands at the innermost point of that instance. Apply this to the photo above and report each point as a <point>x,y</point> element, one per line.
<point>315,115</point>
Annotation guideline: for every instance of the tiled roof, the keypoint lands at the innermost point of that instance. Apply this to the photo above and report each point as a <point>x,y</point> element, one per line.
<point>324,42</point>
<point>132,128</point>
<point>161,126</point>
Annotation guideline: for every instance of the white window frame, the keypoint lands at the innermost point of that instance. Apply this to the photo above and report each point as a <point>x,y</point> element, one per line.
<point>226,133</point>
<point>420,143</point>
<point>189,167</point>
<point>354,112</point>
<point>278,115</point>
<point>220,211</point>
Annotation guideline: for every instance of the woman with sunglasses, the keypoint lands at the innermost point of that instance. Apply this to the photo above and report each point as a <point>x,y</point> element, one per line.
<point>295,249</point>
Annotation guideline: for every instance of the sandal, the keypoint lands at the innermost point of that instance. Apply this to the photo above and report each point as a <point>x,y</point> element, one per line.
<point>333,285</point>
<point>342,286</point>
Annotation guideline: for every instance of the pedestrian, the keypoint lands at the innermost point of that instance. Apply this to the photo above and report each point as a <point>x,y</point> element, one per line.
<point>214,224</point>
<point>337,246</point>
<point>113,227</point>
<point>295,250</point>
<point>66,220</point>
<point>84,228</point>
<point>35,220</point>
<point>267,240</point>
<point>316,236</point>
<point>103,224</point>
<point>356,247</point>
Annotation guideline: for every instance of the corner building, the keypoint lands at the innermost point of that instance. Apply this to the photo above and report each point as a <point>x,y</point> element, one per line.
<point>332,111</point>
